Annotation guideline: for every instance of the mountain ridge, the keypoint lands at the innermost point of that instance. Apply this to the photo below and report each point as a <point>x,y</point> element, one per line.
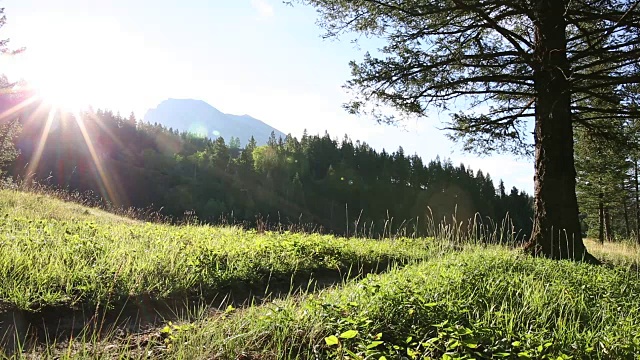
<point>199,117</point>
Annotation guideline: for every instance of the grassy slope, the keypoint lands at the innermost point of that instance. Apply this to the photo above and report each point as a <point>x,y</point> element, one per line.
<point>474,303</point>
<point>18,204</point>
<point>481,303</point>
<point>60,254</point>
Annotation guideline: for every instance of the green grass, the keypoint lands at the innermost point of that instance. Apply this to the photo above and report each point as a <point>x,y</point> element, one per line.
<point>482,303</point>
<point>81,256</point>
<point>447,303</point>
<point>475,304</point>
<point>42,206</point>
<point>624,253</point>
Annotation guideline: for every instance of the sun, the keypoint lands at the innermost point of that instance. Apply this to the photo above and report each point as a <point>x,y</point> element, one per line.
<point>73,64</point>
<point>62,77</point>
<point>81,62</point>
<point>66,81</point>
<point>71,76</point>
<point>65,91</point>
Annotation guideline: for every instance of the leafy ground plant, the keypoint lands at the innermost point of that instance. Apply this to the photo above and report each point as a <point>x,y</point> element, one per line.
<point>482,303</point>
<point>459,302</point>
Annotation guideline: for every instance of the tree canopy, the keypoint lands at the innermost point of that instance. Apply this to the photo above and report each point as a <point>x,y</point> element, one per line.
<point>559,63</point>
<point>315,183</point>
<point>9,126</point>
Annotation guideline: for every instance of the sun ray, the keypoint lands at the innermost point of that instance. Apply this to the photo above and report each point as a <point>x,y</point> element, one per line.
<point>107,130</point>
<point>107,189</point>
<point>19,106</point>
<point>116,184</point>
<point>34,162</point>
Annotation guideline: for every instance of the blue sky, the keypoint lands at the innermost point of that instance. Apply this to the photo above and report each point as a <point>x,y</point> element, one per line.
<point>256,57</point>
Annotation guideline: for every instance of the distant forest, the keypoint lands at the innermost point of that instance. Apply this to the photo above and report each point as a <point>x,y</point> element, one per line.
<point>316,182</point>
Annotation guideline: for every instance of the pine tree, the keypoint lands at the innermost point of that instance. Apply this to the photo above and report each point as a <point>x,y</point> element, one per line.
<point>220,154</point>
<point>602,167</point>
<point>9,125</point>
<point>501,190</point>
<point>9,131</point>
<point>234,143</point>
<point>272,142</point>
<point>245,160</point>
<point>534,60</point>
<point>132,120</point>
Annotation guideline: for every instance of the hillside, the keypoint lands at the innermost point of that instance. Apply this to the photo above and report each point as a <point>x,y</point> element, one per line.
<point>23,205</point>
<point>190,291</point>
<point>198,117</point>
<point>77,245</point>
<point>318,182</point>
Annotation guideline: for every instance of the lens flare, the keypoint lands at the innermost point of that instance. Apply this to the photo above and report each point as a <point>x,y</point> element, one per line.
<point>198,130</point>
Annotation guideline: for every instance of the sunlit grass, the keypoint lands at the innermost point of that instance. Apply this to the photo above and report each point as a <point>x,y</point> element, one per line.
<point>54,253</point>
<point>621,253</point>
<point>474,304</point>
<point>445,302</point>
<point>42,206</point>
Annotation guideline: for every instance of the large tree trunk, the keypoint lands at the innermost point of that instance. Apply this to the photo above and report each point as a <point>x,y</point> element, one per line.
<point>556,229</point>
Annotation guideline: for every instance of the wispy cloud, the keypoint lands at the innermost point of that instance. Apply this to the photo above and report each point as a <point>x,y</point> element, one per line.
<point>263,8</point>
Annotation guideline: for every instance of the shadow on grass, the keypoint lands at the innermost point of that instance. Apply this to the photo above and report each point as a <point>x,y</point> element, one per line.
<point>24,331</point>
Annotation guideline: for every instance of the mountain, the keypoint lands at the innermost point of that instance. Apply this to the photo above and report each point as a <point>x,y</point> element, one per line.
<point>196,116</point>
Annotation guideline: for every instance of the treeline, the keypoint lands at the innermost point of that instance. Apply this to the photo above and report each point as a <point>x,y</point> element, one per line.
<point>608,185</point>
<point>317,182</point>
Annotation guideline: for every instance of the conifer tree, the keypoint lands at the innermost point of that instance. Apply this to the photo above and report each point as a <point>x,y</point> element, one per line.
<point>602,169</point>
<point>9,124</point>
<point>529,60</point>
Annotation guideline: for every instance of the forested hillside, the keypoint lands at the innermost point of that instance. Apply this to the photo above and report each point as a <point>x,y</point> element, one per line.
<point>316,183</point>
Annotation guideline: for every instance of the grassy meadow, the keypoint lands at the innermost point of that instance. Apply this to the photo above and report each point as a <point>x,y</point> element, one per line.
<point>60,254</point>
<point>385,299</point>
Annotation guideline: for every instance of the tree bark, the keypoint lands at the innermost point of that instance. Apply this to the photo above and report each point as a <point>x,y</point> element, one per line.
<point>607,224</point>
<point>637,202</point>
<point>556,230</point>
<point>627,226</point>
<point>601,218</point>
